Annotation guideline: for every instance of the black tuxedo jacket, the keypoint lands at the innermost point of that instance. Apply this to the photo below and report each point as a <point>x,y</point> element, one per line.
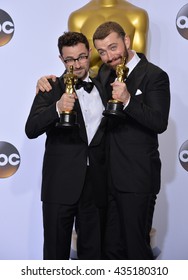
<point>67,149</point>
<point>134,157</point>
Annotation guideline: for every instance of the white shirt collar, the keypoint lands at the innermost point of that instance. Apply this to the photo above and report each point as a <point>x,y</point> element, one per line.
<point>133,62</point>
<point>87,79</point>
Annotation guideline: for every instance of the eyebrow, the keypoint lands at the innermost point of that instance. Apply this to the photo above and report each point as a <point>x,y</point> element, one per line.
<point>109,46</point>
<point>69,56</point>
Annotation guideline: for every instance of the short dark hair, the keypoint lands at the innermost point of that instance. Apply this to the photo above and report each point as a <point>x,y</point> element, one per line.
<point>69,39</point>
<point>106,28</point>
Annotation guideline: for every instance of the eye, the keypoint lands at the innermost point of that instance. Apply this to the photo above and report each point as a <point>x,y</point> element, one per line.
<point>69,60</point>
<point>102,53</point>
<point>82,57</point>
<point>113,48</point>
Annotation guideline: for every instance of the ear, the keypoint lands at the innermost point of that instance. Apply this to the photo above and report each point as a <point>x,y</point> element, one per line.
<point>61,58</point>
<point>127,41</point>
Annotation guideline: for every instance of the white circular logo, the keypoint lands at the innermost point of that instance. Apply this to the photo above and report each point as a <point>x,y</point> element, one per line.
<point>183,155</point>
<point>6,28</point>
<point>182,21</point>
<point>9,159</point>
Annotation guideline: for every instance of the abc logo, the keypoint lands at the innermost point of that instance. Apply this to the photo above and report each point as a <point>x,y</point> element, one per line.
<point>183,155</point>
<point>6,28</point>
<point>182,22</point>
<point>9,159</point>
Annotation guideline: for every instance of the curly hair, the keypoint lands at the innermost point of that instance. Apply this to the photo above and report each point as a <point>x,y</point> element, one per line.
<point>69,39</point>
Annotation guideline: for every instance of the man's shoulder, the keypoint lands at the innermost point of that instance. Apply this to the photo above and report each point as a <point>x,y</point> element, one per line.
<point>151,67</point>
<point>103,73</point>
<point>58,83</point>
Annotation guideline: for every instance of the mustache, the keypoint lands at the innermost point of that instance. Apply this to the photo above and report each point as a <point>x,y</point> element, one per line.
<point>114,59</point>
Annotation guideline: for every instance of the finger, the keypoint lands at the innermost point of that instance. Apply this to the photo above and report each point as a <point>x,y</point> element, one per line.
<point>40,88</point>
<point>46,85</point>
<point>75,96</point>
<point>53,78</point>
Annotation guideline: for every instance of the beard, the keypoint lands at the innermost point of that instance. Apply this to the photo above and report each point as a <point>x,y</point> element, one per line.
<point>112,63</point>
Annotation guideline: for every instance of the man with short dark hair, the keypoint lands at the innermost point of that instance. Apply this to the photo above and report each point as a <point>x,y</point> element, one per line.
<point>134,162</point>
<point>74,166</point>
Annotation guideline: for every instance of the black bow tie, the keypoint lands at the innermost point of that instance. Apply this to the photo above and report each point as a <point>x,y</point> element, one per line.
<point>88,86</point>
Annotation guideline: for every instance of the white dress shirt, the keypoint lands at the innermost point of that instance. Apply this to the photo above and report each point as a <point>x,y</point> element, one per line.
<point>133,62</point>
<point>92,109</point>
<point>131,65</point>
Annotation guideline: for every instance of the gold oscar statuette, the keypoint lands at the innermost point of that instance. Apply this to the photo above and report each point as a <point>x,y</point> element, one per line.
<point>115,107</point>
<point>133,19</point>
<point>68,118</point>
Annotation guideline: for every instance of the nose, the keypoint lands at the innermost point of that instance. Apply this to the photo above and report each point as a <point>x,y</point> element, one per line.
<point>77,63</point>
<point>109,55</point>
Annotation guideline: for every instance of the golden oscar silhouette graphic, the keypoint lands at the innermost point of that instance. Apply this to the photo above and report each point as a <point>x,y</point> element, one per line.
<point>114,107</point>
<point>69,118</point>
<point>133,19</point>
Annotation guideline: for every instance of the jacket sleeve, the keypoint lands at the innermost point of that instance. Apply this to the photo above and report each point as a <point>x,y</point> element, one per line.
<point>151,108</point>
<point>43,114</point>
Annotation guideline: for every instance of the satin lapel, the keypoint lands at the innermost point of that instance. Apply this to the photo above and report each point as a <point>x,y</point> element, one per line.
<point>135,78</point>
<point>104,76</point>
<point>80,120</point>
<point>101,90</point>
<point>100,131</point>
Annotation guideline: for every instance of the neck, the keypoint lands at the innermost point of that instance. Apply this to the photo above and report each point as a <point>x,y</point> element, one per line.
<point>107,3</point>
<point>130,55</point>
